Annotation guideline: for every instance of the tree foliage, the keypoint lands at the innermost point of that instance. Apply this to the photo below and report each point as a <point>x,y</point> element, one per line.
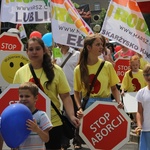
<point>102,16</point>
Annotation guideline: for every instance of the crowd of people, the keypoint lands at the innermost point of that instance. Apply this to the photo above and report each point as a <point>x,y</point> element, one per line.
<point>67,80</point>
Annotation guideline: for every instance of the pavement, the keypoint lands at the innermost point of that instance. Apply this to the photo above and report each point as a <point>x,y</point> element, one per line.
<point>131,145</point>
<point>128,146</point>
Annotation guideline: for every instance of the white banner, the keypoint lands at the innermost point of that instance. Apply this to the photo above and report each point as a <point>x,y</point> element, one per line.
<point>68,27</point>
<point>125,24</point>
<point>25,11</point>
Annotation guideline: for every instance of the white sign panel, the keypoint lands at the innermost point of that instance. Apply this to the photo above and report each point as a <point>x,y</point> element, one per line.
<point>130,103</point>
<point>25,11</point>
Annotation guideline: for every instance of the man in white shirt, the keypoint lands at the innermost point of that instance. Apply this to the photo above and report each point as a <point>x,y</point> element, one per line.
<point>72,57</point>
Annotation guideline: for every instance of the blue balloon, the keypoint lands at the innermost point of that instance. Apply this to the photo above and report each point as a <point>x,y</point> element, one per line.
<point>47,39</point>
<point>13,124</point>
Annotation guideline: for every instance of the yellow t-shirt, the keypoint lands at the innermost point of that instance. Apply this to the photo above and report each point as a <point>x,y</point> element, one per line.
<point>133,84</point>
<point>59,85</point>
<point>102,87</point>
<point>143,63</point>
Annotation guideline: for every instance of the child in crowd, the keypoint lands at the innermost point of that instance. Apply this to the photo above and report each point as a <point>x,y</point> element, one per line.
<point>40,125</point>
<point>106,53</point>
<point>133,79</point>
<point>110,46</point>
<point>142,116</point>
<point>143,62</point>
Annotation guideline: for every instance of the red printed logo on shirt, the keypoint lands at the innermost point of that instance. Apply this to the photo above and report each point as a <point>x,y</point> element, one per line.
<point>39,85</point>
<point>136,84</point>
<point>97,84</point>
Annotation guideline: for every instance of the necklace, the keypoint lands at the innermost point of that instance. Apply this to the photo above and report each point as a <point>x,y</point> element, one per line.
<point>41,74</point>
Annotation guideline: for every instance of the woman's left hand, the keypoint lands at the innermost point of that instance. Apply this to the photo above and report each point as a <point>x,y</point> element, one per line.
<point>120,105</point>
<point>75,121</point>
<point>80,113</point>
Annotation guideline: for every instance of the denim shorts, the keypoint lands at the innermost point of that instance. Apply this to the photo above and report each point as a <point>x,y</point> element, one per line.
<point>94,99</point>
<point>144,140</point>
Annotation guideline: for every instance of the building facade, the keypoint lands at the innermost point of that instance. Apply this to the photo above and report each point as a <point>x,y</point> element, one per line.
<point>95,5</point>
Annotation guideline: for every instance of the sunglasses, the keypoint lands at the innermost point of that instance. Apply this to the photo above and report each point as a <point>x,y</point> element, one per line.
<point>146,75</point>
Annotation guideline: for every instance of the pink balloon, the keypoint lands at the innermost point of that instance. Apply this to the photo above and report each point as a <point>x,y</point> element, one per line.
<point>35,34</point>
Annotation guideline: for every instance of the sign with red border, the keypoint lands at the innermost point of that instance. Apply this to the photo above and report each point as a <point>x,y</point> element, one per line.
<point>10,96</point>
<point>104,126</point>
<point>121,67</point>
<point>10,42</point>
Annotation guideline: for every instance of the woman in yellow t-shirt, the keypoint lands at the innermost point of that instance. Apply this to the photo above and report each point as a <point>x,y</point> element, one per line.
<point>85,71</point>
<point>53,82</point>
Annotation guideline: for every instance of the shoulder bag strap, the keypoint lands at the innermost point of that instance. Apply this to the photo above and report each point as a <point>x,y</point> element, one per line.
<point>37,83</point>
<point>70,54</point>
<point>34,76</point>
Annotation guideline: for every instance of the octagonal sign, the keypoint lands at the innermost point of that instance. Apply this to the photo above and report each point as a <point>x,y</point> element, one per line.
<point>10,42</point>
<point>11,95</point>
<point>121,66</point>
<point>104,126</point>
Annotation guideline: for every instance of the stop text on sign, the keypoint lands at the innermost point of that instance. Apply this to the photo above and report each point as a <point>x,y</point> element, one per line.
<point>8,46</point>
<point>102,128</point>
<point>122,69</point>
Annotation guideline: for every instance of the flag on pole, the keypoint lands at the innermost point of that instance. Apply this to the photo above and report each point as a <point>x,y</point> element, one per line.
<point>85,13</point>
<point>22,31</point>
<point>68,27</point>
<point>144,5</point>
<point>125,24</point>
<point>145,9</point>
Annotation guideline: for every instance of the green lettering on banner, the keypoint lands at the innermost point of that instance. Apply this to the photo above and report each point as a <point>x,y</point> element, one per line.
<point>141,25</point>
<point>131,19</point>
<point>147,32</point>
<point>61,14</point>
<point>110,10</point>
<point>121,14</point>
<point>25,1</point>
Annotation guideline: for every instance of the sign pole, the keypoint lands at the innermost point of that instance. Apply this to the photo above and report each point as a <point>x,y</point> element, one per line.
<point>0,26</point>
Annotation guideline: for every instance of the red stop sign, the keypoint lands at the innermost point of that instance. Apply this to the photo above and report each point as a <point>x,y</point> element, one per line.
<point>10,42</point>
<point>121,66</point>
<point>104,126</point>
<point>10,96</point>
